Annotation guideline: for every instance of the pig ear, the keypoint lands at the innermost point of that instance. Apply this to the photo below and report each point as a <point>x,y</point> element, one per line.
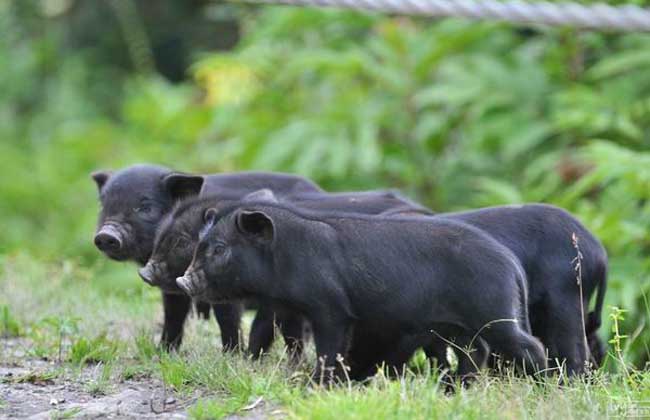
<point>265,195</point>
<point>181,186</point>
<point>210,216</point>
<point>256,224</point>
<point>100,178</point>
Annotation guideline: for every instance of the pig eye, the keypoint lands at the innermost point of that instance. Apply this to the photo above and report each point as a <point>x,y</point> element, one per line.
<point>182,243</point>
<point>144,209</point>
<point>219,249</point>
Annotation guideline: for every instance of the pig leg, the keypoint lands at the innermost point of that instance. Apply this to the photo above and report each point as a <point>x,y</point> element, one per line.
<point>202,310</point>
<point>597,350</point>
<point>229,319</point>
<point>437,349</point>
<point>332,341</point>
<point>368,352</point>
<point>565,336</point>
<point>472,353</point>
<point>291,326</point>
<point>516,344</point>
<point>176,307</point>
<point>365,353</point>
<point>262,332</point>
<point>399,355</point>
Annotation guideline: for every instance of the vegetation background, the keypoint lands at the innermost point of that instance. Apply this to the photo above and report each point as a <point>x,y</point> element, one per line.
<point>455,113</point>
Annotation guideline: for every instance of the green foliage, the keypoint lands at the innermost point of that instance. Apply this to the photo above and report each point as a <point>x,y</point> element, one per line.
<point>51,335</point>
<point>458,114</point>
<point>38,377</point>
<point>146,347</point>
<point>94,350</point>
<point>207,409</point>
<point>230,384</point>
<point>512,398</point>
<point>65,414</point>
<point>102,383</point>
<point>223,374</point>
<point>9,326</point>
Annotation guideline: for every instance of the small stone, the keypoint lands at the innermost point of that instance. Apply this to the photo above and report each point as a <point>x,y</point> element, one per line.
<point>53,401</point>
<point>170,400</point>
<point>144,402</point>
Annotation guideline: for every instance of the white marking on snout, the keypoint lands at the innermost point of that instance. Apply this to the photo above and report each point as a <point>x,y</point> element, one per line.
<point>184,283</point>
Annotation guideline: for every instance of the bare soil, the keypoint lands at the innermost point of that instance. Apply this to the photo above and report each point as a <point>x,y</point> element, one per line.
<point>40,389</point>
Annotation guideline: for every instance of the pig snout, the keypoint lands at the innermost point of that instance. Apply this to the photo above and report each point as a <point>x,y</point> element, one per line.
<point>146,273</point>
<point>108,239</point>
<point>191,283</point>
<point>185,284</point>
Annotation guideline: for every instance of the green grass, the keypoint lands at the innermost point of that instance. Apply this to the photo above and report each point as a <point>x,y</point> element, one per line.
<point>103,318</point>
<point>95,350</point>
<point>9,326</point>
<point>37,377</point>
<point>206,409</point>
<point>102,384</point>
<point>65,414</point>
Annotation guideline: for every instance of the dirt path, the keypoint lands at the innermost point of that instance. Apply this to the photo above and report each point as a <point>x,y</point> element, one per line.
<point>61,397</point>
<point>32,388</point>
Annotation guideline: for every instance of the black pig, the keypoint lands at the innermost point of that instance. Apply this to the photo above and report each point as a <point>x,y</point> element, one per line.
<point>178,235</point>
<point>387,275</point>
<point>135,199</point>
<point>540,236</point>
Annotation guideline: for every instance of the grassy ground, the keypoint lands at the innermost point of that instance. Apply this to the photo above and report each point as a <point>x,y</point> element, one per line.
<point>80,341</point>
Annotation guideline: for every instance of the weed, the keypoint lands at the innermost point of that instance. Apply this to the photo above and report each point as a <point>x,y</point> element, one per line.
<point>52,334</point>
<point>617,316</point>
<point>206,409</point>
<point>102,382</point>
<point>136,371</point>
<point>65,414</point>
<point>145,346</point>
<point>9,326</point>
<point>95,350</point>
<point>42,378</point>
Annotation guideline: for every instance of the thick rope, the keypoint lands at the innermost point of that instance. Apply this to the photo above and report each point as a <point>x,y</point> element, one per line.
<point>594,16</point>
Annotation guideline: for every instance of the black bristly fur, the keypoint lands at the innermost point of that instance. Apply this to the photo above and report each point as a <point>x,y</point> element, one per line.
<point>135,200</point>
<point>386,275</point>
<point>540,236</point>
<point>172,254</point>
